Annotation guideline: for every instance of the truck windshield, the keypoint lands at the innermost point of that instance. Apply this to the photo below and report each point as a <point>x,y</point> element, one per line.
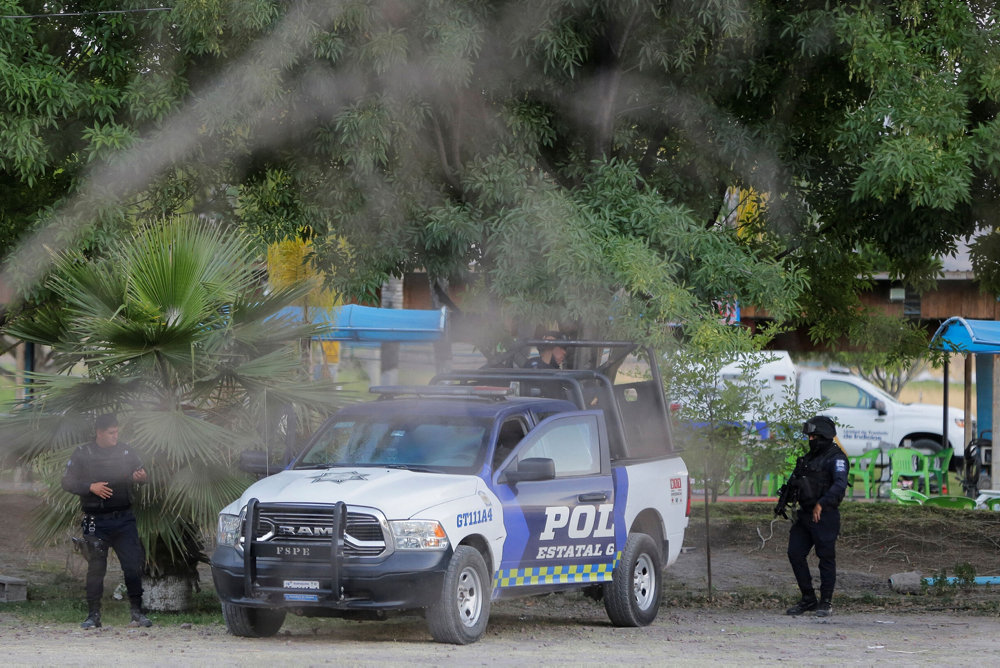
<point>448,445</point>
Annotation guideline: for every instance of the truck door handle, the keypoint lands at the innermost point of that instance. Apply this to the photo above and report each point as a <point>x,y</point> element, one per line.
<point>594,496</point>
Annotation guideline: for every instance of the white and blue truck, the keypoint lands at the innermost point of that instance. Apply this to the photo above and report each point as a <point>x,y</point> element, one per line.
<point>483,485</point>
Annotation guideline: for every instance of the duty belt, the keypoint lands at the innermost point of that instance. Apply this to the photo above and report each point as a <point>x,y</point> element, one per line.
<point>90,517</point>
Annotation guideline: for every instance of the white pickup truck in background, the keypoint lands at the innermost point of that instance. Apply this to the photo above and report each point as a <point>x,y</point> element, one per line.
<point>866,416</point>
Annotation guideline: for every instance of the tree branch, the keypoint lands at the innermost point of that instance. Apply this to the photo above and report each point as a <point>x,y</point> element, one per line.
<point>442,151</point>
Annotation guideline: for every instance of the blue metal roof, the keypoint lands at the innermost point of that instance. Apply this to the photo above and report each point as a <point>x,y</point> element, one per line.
<point>367,323</point>
<point>967,336</point>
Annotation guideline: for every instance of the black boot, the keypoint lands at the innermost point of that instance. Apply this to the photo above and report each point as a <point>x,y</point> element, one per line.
<point>805,604</point>
<point>93,620</point>
<point>825,607</point>
<point>139,619</point>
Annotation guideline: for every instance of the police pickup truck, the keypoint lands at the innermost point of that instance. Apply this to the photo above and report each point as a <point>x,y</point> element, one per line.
<point>483,485</point>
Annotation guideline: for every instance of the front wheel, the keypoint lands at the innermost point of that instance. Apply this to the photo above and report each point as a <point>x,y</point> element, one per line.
<point>462,610</point>
<point>249,622</point>
<point>632,598</point>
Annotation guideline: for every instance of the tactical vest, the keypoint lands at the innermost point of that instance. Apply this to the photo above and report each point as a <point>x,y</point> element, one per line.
<point>115,465</point>
<point>815,479</point>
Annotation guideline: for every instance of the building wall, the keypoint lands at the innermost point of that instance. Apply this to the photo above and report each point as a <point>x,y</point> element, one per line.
<point>417,291</point>
<point>958,299</point>
<point>950,298</point>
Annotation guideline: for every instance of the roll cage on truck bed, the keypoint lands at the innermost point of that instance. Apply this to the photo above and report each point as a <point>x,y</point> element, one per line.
<point>636,411</point>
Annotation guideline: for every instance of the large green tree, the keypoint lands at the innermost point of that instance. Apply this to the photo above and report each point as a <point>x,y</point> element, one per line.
<point>170,330</point>
<point>584,158</point>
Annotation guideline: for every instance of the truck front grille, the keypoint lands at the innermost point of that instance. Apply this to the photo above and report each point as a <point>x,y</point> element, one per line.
<point>364,534</point>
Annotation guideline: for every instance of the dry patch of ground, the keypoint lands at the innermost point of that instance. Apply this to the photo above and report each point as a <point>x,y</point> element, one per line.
<point>743,625</point>
<point>877,540</point>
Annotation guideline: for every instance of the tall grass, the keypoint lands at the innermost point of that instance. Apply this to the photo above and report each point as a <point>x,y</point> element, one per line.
<point>57,598</point>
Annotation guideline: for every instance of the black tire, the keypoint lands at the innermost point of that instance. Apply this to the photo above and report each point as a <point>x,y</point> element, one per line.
<point>462,611</point>
<point>252,622</point>
<point>927,446</point>
<point>632,598</point>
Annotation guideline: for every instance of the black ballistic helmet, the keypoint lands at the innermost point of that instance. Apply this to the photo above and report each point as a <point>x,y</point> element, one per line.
<point>821,426</point>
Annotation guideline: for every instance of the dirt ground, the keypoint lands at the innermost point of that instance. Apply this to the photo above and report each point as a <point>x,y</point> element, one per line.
<point>744,625</point>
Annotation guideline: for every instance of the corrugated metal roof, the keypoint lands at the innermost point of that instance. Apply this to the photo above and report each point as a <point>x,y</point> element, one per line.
<point>967,336</point>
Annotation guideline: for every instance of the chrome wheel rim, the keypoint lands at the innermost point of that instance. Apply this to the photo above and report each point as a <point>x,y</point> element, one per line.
<point>643,582</point>
<point>469,596</point>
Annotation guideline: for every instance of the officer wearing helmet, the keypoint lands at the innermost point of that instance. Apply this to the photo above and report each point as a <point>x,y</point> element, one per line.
<point>550,356</point>
<point>821,480</point>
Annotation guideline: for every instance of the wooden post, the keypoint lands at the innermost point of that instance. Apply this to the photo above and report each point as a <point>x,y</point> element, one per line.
<point>19,373</point>
<point>944,399</point>
<point>967,405</point>
<point>994,483</point>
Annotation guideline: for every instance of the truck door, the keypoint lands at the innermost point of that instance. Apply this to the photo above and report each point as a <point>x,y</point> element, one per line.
<point>860,426</point>
<point>558,504</point>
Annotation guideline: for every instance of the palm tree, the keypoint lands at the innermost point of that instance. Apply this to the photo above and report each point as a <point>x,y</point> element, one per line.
<point>173,331</point>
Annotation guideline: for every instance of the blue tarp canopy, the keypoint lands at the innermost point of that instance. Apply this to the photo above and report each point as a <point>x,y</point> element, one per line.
<point>967,336</point>
<point>369,324</point>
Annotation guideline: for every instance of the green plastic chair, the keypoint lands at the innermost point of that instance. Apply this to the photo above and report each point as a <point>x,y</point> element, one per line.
<point>993,504</point>
<point>908,497</point>
<point>909,463</point>
<point>777,479</point>
<point>961,502</point>
<point>863,466</point>
<point>939,464</point>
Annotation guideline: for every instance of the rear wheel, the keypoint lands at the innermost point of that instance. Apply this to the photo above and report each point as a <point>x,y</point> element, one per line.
<point>632,598</point>
<point>462,610</point>
<point>927,446</point>
<point>252,622</point>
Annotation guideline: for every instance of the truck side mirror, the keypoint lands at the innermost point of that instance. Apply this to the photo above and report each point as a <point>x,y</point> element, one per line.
<point>880,406</point>
<point>255,462</point>
<point>532,468</point>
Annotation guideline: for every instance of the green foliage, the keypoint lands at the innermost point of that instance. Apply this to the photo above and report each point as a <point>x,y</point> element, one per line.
<point>568,158</point>
<point>891,372</point>
<point>965,574</point>
<point>985,255</point>
<point>56,600</point>
<point>719,419</point>
<point>171,330</point>
<point>941,585</point>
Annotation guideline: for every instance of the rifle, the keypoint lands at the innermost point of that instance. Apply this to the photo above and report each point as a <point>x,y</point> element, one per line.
<point>788,494</point>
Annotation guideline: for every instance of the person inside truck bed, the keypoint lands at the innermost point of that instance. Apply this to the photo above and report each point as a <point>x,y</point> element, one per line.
<point>549,356</point>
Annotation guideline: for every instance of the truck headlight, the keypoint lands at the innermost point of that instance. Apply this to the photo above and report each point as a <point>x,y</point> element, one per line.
<point>960,423</point>
<point>418,535</point>
<point>228,533</point>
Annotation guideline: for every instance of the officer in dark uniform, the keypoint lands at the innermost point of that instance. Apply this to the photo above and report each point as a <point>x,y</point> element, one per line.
<point>102,473</point>
<point>549,356</point>
<point>821,478</point>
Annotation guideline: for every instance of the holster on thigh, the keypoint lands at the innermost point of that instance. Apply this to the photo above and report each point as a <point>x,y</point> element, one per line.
<point>91,547</point>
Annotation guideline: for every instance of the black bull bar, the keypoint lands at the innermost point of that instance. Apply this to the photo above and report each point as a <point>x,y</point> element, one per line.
<point>253,589</point>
